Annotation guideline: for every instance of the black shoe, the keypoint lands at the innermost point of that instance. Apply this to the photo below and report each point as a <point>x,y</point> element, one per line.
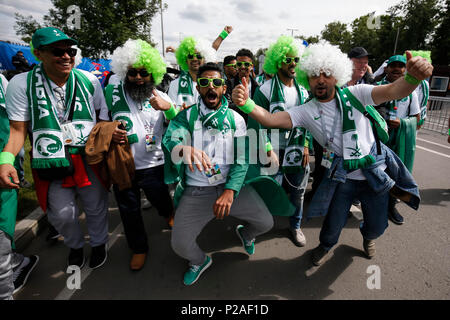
<point>394,216</point>
<point>22,273</point>
<point>98,256</point>
<point>76,258</point>
<point>53,234</point>
<point>318,255</point>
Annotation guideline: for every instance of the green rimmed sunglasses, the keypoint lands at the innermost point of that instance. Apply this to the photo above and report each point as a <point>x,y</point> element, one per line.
<point>204,82</point>
<point>244,63</point>
<point>289,60</point>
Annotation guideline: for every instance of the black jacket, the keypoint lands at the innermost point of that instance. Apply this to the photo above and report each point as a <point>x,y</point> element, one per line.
<point>231,83</point>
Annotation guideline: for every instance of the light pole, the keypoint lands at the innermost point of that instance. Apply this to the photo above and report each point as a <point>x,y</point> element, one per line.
<point>396,39</point>
<point>162,29</point>
<point>292,31</point>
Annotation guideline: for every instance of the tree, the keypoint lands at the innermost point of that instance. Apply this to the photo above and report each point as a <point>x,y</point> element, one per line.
<point>25,26</point>
<point>440,46</point>
<point>104,25</point>
<point>337,33</point>
<point>310,39</point>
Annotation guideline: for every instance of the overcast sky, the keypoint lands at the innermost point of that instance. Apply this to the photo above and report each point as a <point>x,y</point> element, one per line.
<point>256,23</point>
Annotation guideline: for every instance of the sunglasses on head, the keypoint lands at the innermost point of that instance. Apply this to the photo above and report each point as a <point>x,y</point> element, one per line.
<point>142,72</point>
<point>198,55</point>
<point>289,60</point>
<point>204,82</point>
<point>243,63</point>
<point>232,65</point>
<point>59,52</point>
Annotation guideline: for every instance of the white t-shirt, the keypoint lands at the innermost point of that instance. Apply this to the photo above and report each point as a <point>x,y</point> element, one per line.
<point>114,80</point>
<point>407,107</point>
<point>17,101</point>
<point>173,94</point>
<point>218,147</point>
<point>147,121</point>
<point>309,117</point>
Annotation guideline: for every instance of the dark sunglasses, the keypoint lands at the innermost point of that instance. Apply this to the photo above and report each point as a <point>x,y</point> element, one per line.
<point>245,64</point>
<point>288,60</point>
<point>198,55</point>
<point>142,72</point>
<point>58,52</point>
<point>204,82</point>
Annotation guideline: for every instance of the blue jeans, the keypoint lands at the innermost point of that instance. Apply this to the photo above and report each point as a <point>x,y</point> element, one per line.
<point>295,185</point>
<point>151,181</point>
<point>374,208</point>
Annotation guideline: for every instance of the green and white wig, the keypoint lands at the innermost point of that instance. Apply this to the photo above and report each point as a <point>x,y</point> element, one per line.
<point>278,51</point>
<point>190,45</point>
<point>138,54</point>
<point>324,57</point>
<point>421,53</point>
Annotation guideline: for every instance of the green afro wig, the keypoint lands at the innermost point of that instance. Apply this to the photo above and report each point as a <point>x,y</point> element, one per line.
<point>187,46</point>
<point>421,53</point>
<point>138,54</point>
<point>278,51</point>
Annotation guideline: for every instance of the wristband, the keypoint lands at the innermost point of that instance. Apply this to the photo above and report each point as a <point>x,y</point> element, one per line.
<point>171,113</point>
<point>223,34</point>
<point>248,106</point>
<point>449,132</point>
<point>411,80</point>
<point>7,158</point>
<point>269,147</point>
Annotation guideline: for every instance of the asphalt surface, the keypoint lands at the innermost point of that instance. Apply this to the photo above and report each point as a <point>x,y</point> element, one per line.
<point>412,260</point>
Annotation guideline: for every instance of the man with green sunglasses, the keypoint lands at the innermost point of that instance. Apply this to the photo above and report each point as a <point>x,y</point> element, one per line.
<point>229,67</point>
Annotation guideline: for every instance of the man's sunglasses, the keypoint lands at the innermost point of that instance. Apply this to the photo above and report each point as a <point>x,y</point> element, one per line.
<point>204,82</point>
<point>232,65</point>
<point>198,55</point>
<point>245,64</point>
<point>142,72</point>
<point>58,52</point>
<point>289,60</point>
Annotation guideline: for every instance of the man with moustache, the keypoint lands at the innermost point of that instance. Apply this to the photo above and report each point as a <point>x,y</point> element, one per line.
<point>402,116</point>
<point>355,158</point>
<point>282,93</point>
<point>134,102</point>
<point>60,104</point>
<point>199,143</point>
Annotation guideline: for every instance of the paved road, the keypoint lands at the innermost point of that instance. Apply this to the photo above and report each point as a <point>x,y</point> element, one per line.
<point>413,260</point>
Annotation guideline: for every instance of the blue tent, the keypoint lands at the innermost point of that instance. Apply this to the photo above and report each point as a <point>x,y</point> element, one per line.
<point>100,68</point>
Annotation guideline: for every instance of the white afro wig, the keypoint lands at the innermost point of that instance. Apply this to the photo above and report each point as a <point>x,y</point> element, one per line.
<point>326,58</point>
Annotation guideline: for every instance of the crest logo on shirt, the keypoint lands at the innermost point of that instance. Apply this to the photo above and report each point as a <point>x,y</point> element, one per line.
<point>47,144</point>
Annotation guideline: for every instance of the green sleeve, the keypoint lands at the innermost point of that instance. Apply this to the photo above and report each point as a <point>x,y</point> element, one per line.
<point>238,170</point>
<point>177,133</point>
<point>261,101</point>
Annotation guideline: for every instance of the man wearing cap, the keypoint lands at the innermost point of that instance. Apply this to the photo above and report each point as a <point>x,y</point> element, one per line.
<point>362,72</point>
<point>402,116</point>
<point>59,104</point>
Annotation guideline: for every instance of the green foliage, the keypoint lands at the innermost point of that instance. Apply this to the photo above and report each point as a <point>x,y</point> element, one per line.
<point>338,34</point>
<point>440,45</point>
<point>105,24</point>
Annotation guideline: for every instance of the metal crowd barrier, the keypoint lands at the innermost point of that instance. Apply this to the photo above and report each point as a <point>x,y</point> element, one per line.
<point>437,114</point>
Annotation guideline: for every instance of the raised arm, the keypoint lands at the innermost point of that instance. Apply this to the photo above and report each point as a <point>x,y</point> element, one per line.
<point>225,32</point>
<point>418,68</point>
<point>240,97</point>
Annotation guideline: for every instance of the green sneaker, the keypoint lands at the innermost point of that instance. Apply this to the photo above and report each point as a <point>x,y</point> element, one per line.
<point>195,271</point>
<point>249,246</point>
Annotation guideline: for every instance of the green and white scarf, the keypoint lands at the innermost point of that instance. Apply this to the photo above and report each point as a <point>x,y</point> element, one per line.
<point>423,104</point>
<point>393,104</point>
<point>356,150</point>
<point>185,90</point>
<point>2,96</point>
<point>48,143</point>
<point>293,155</point>
<point>216,118</point>
<point>120,111</point>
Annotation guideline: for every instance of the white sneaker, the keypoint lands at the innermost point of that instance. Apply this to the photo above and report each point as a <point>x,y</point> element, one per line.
<point>299,237</point>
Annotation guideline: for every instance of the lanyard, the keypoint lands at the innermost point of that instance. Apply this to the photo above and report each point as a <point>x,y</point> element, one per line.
<point>328,139</point>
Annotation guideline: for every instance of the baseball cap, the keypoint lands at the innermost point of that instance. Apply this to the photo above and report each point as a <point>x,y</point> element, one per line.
<point>358,52</point>
<point>49,35</point>
<point>398,58</point>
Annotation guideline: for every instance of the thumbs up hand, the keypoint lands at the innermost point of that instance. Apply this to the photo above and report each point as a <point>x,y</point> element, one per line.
<point>240,93</point>
<point>158,103</point>
<point>418,67</point>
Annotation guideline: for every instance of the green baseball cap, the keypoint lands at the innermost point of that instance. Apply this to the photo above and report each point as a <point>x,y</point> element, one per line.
<point>49,35</point>
<point>398,58</point>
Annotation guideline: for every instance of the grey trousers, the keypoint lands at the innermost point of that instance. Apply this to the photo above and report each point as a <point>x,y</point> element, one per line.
<point>63,211</point>
<point>8,262</point>
<point>195,210</point>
